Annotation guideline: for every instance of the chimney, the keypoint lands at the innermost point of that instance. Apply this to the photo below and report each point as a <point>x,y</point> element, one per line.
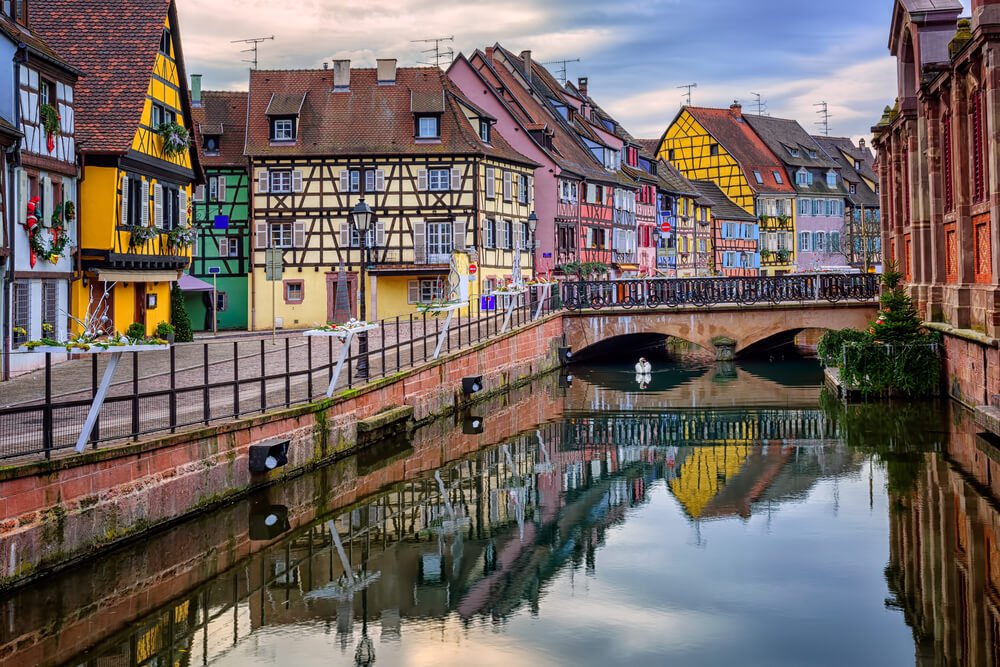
<point>861,143</point>
<point>386,71</point>
<point>196,90</point>
<point>736,109</point>
<point>341,76</point>
<point>581,85</point>
<point>526,57</point>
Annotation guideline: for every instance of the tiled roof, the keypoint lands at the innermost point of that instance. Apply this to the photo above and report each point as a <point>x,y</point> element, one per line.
<point>648,147</point>
<point>223,113</point>
<point>845,153</point>
<point>369,119</point>
<point>286,105</point>
<point>530,109</point>
<point>782,134</point>
<point>740,141</point>
<point>673,181</point>
<point>36,45</point>
<point>115,43</point>
<point>723,208</point>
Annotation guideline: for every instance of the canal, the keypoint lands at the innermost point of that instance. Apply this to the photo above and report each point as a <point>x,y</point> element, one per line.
<point>712,514</point>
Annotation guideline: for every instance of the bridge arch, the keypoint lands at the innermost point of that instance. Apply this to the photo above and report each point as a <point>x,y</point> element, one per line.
<point>712,328</point>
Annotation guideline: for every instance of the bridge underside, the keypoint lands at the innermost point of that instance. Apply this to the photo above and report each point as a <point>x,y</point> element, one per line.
<point>724,331</point>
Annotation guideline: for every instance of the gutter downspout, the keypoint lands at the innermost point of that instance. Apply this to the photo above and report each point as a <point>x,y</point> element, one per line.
<point>10,209</point>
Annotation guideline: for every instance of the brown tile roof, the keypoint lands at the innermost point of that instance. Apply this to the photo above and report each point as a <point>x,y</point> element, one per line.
<point>673,181</point>
<point>370,119</point>
<point>740,141</point>
<point>36,45</point>
<point>285,105</point>
<point>115,42</point>
<point>223,113</point>
<point>845,154</point>
<point>723,208</point>
<point>648,147</point>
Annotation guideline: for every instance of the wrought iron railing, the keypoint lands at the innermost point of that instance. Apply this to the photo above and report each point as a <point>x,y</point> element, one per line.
<point>674,292</point>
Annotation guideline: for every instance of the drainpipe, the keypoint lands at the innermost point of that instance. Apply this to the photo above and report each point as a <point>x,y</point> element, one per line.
<point>251,249</point>
<point>11,208</point>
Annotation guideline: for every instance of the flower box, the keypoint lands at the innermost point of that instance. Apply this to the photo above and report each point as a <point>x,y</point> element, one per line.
<point>42,349</point>
<point>442,307</point>
<point>341,330</point>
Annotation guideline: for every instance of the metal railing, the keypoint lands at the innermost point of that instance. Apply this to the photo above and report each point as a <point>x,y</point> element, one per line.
<point>204,383</point>
<point>701,292</point>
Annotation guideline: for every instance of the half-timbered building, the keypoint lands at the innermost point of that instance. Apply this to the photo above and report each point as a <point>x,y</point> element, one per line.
<point>427,161</point>
<point>734,233</point>
<point>718,145</point>
<point>220,212</point>
<point>42,194</point>
<point>132,118</point>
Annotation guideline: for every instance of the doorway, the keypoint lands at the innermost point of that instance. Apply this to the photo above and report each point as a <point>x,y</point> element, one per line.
<point>341,307</point>
<point>140,303</point>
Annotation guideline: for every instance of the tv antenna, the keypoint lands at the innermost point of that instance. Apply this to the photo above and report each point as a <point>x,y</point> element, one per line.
<point>824,118</point>
<point>254,42</point>
<point>561,72</point>
<point>688,87</point>
<point>436,52</point>
<point>761,104</point>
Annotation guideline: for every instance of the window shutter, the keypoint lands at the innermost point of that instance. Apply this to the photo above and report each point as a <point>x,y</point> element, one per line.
<point>420,242</point>
<point>369,180</point>
<point>345,180</point>
<point>199,192</point>
<point>507,186</point>
<point>296,182</point>
<point>421,179</point>
<point>47,204</point>
<point>380,180</point>
<point>260,236</point>
<point>380,234</point>
<point>158,206</point>
<point>182,197</point>
<point>590,237</point>
<point>124,210</point>
<point>299,234</point>
<point>144,215</point>
<point>458,231</point>
<point>223,247</point>
<point>491,183</point>
<point>22,195</point>
<point>531,189</point>
<point>222,188</point>
<point>345,235</point>
<point>262,181</point>
<point>456,178</point>
<point>413,291</point>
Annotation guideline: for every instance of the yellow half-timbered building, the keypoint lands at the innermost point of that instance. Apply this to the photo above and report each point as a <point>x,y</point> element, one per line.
<point>718,145</point>
<point>440,181</point>
<point>133,116</point>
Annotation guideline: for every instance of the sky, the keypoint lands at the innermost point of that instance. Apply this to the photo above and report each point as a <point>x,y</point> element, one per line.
<point>635,53</point>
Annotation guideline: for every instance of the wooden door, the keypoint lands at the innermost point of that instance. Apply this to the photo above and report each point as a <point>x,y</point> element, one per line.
<point>140,305</point>
<point>335,312</point>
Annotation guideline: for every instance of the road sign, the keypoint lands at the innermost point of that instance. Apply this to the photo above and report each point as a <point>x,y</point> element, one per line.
<point>214,270</point>
<point>665,226</point>
<point>274,265</point>
<point>473,268</point>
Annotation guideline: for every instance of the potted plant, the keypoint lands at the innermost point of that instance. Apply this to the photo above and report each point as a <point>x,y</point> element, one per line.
<point>166,331</point>
<point>136,331</point>
<point>140,235</point>
<point>181,237</point>
<point>176,138</point>
<point>783,256</point>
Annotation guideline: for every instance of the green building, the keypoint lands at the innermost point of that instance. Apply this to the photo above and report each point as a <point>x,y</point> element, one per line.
<point>220,212</point>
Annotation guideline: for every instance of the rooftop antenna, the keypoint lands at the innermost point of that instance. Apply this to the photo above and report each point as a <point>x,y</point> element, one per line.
<point>253,42</point>
<point>689,87</point>
<point>436,52</point>
<point>761,105</point>
<point>824,118</point>
<point>561,72</point>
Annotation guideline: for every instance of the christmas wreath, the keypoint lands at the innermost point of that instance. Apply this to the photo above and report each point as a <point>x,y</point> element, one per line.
<point>52,251</point>
<point>50,121</point>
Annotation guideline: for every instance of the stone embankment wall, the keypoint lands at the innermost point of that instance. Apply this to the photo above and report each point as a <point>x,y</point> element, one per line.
<point>57,512</point>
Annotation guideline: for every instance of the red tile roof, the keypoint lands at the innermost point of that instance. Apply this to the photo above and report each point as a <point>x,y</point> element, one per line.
<point>225,111</point>
<point>740,141</point>
<point>36,45</point>
<point>370,119</point>
<point>115,43</point>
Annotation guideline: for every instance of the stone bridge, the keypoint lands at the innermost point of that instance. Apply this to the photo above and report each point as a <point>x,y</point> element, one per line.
<point>725,331</point>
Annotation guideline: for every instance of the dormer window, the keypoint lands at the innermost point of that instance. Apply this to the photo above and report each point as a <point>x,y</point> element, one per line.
<point>831,179</point>
<point>757,177</point>
<point>484,131</point>
<point>282,129</point>
<point>777,177</point>
<point>165,42</point>
<point>428,127</point>
<point>803,177</point>
<point>794,152</point>
<point>210,144</point>
<point>812,154</point>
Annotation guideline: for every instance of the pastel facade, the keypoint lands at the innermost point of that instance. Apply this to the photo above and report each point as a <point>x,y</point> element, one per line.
<point>440,180</point>
<point>134,194</point>
<point>734,235</point>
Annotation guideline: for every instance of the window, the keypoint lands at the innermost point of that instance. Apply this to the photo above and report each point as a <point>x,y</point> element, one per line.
<point>595,193</point>
<point>490,233</point>
<point>210,144</point>
<point>854,188</point>
<point>424,290</point>
<point>374,180</point>
<point>281,181</point>
<point>50,307</point>
<point>757,177</point>
<point>171,214</point>
<point>522,188</point>
<point>439,241</point>
<point>713,150</point>
<point>805,207</point>
<point>281,235</point>
<point>831,179</point>
<point>428,127</point>
<point>801,177</point>
<point>213,189</point>
<point>165,42</point>
<point>438,179</point>
<point>283,129</point>
<point>794,152</point>
<point>22,311</point>
<point>157,115</point>
<point>221,302</point>
<point>777,177</point>
<point>484,131</point>
<point>229,246</point>
<point>834,241</point>
<point>294,291</point>
<point>46,92</point>
<point>671,155</point>
<point>812,154</point>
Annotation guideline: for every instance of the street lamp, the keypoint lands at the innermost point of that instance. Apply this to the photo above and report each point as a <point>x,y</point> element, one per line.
<point>533,244</point>
<point>363,215</point>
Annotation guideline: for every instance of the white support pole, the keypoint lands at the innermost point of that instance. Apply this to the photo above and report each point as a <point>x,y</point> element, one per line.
<point>510,311</point>
<point>344,560</point>
<point>344,351</point>
<point>546,291</point>
<point>443,335</point>
<point>95,407</point>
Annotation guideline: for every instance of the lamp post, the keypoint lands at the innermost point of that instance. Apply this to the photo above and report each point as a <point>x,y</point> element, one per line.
<point>362,215</point>
<point>533,243</point>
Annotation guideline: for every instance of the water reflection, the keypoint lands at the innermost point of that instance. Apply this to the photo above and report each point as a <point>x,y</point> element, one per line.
<point>717,527</point>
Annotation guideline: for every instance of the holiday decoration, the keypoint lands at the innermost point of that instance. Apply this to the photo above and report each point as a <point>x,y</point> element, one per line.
<point>53,250</point>
<point>50,121</point>
<point>176,139</point>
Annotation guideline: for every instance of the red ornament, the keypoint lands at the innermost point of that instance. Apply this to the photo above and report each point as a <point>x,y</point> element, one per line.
<point>30,225</point>
<point>51,143</point>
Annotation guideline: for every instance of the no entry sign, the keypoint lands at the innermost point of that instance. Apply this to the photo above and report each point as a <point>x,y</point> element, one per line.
<point>473,268</point>
<point>665,226</point>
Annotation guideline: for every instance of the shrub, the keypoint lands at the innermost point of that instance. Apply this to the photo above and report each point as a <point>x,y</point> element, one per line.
<point>179,317</point>
<point>163,329</point>
<point>831,346</point>
<point>136,331</point>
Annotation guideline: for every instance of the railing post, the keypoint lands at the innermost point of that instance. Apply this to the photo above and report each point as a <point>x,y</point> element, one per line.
<point>95,434</point>
<point>173,388</point>
<point>309,368</point>
<point>206,394</point>
<point>263,380</point>
<point>47,411</point>
<point>135,395</point>
<point>288,370</point>
<point>236,378</point>
<point>399,344</point>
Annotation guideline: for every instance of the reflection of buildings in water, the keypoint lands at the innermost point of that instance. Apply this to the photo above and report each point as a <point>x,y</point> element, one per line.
<point>944,556</point>
<point>482,537</point>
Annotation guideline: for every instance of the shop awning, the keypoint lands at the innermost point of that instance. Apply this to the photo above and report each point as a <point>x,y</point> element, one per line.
<point>124,276</point>
<point>191,284</point>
